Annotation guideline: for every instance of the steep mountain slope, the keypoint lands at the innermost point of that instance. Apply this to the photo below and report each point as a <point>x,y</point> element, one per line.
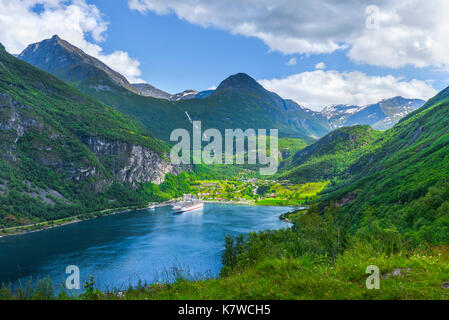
<point>338,113</point>
<point>62,153</point>
<point>147,90</point>
<point>221,107</point>
<point>239,102</point>
<point>185,95</point>
<point>240,96</point>
<point>403,179</point>
<point>331,156</point>
<point>204,94</point>
<point>380,116</point>
<point>67,62</point>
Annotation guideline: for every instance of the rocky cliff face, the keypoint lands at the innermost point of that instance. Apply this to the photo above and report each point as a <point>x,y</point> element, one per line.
<point>13,123</point>
<point>148,90</point>
<point>109,161</point>
<point>130,163</point>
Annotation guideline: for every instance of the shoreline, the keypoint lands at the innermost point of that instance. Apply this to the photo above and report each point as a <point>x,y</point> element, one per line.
<point>48,225</point>
<point>247,203</point>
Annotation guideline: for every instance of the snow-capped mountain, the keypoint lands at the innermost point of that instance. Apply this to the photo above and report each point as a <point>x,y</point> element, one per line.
<point>380,116</point>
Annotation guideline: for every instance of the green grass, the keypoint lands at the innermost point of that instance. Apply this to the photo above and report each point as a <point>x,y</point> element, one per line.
<point>309,278</point>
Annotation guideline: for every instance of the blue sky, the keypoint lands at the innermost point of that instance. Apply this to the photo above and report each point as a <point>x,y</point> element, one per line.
<point>177,55</point>
<point>195,44</point>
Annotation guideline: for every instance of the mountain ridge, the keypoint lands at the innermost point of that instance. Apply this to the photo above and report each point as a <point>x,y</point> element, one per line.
<point>222,109</point>
<point>230,102</point>
<point>63,153</point>
<point>70,63</point>
<point>381,115</point>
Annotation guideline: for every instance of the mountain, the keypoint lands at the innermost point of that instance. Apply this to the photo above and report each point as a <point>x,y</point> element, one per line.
<point>63,153</point>
<point>147,90</point>
<point>242,89</point>
<point>67,62</point>
<point>239,101</point>
<point>397,179</point>
<point>337,114</point>
<point>185,95</point>
<point>380,116</point>
<point>331,156</point>
<point>204,94</point>
<point>402,178</point>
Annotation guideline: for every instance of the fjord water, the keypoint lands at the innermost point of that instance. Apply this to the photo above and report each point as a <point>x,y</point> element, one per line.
<point>121,249</point>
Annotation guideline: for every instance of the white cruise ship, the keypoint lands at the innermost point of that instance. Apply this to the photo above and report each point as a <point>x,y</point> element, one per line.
<point>188,204</point>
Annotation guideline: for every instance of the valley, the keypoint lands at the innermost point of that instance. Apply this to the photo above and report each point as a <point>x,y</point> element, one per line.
<point>258,192</point>
<point>358,184</point>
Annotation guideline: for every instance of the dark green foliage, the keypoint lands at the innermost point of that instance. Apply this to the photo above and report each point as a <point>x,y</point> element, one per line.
<point>220,111</point>
<point>402,178</point>
<point>90,291</point>
<point>312,234</point>
<point>233,249</point>
<point>331,156</point>
<point>45,148</point>
<point>263,189</point>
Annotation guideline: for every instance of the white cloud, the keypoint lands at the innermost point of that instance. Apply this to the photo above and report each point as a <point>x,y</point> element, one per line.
<point>319,88</point>
<point>72,20</point>
<point>411,32</point>
<point>320,66</point>
<point>291,62</point>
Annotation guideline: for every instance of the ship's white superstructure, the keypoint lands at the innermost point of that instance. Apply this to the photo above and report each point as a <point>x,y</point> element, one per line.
<point>188,203</point>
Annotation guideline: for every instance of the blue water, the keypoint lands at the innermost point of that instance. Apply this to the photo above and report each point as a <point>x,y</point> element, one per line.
<point>118,250</point>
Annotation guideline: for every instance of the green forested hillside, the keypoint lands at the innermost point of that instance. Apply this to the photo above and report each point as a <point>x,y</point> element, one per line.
<point>331,156</point>
<point>403,180</point>
<point>399,176</point>
<point>63,153</point>
<point>222,110</point>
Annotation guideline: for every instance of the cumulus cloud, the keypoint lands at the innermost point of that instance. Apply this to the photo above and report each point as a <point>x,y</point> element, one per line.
<point>319,88</point>
<point>73,21</point>
<point>412,32</point>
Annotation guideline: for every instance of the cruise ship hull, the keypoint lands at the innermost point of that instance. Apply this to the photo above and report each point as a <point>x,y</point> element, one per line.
<point>189,208</point>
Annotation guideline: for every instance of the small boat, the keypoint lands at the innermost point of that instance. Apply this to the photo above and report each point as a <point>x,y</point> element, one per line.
<point>188,204</point>
<point>151,207</point>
